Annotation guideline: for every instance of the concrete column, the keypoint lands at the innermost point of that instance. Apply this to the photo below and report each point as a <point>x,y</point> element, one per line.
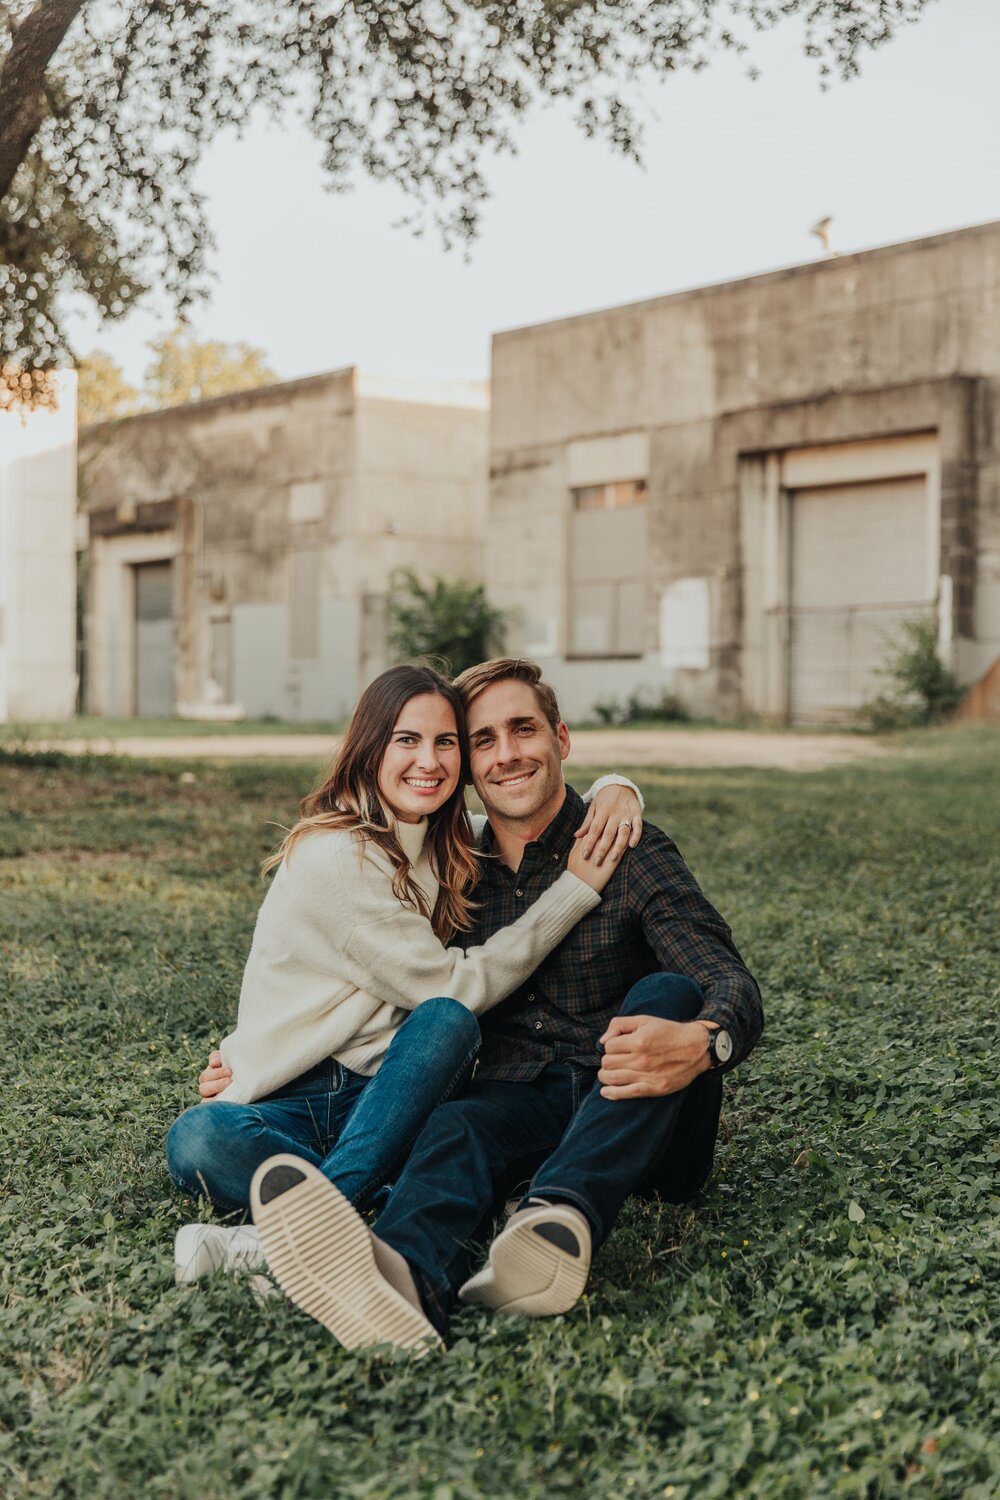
<point>38,678</point>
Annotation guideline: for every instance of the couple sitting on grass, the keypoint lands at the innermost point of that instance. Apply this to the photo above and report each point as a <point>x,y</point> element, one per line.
<point>565,1051</point>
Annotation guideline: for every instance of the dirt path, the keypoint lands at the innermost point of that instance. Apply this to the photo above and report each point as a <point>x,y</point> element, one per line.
<point>591,747</point>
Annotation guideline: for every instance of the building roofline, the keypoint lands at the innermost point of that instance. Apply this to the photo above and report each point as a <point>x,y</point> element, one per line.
<point>276,390</point>
<point>466,394</point>
<point>760,278</point>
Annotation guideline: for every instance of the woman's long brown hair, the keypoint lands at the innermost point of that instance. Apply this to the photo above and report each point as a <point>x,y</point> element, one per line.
<point>349,799</point>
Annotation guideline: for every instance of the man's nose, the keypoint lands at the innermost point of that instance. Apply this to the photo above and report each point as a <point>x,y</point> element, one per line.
<point>507,749</point>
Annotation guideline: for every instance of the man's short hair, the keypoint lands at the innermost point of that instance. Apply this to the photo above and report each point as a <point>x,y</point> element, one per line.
<point>475,680</point>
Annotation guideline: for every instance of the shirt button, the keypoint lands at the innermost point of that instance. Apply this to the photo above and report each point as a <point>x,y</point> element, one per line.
<point>531,999</point>
<point>519,892</point>
<point>538,1025</point>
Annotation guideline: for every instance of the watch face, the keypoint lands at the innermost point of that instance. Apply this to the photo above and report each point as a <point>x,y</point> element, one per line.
<point>723,1046</point>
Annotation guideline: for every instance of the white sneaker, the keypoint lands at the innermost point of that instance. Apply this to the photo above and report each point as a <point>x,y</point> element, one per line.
<point>538,1264</point>
<point>200,1248</point>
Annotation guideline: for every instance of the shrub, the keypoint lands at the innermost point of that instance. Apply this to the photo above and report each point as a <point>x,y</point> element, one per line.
<point>923,690</point>
<point>666,708</point>
<point>640,709</point>
<point>609,711</point>
<point>448,619</point>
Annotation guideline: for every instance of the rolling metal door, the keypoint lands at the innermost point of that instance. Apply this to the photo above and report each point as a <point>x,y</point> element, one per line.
<point>859,568</point>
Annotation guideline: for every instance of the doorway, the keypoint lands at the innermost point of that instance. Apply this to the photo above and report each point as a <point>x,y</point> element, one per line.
<point>154,640</point>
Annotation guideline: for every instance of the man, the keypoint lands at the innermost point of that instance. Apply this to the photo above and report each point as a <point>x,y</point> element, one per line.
<point>598,1078</point>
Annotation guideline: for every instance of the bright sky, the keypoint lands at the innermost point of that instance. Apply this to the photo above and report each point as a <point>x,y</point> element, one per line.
<point>735,174</point>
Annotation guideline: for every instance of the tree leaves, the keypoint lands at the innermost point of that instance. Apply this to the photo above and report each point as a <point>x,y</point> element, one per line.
<point>103,203</point>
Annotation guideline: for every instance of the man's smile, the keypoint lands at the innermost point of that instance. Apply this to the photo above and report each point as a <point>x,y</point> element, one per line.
<point>517,779</point>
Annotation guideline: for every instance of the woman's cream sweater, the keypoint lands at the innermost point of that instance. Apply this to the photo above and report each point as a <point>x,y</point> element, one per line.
<point>337,962</point>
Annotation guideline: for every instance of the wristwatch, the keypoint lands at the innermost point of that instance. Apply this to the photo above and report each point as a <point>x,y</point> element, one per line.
<point>720,1047</point>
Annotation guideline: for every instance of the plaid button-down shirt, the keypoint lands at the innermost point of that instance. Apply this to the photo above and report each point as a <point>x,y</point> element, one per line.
<point>652,918</point>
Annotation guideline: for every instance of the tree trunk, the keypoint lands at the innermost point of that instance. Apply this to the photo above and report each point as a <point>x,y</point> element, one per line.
<point>22,79</point>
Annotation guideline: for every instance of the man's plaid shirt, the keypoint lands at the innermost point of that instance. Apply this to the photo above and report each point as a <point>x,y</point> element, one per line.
<point>652,918</point>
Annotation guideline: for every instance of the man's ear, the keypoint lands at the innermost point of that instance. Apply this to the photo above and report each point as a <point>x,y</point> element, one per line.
<point>562,735</point>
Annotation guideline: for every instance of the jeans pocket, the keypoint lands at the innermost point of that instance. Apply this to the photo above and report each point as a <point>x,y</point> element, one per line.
<point>348,1087</point>
<point>345,1080</point>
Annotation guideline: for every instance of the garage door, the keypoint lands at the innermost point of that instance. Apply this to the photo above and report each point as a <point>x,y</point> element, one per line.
<point>859,566</point>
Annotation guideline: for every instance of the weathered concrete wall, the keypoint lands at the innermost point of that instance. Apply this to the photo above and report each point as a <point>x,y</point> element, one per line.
<point>234,490</point>
<point>822,352</point>
<point>421,490</point>
<point>284,511</point>
<point>38,560</point>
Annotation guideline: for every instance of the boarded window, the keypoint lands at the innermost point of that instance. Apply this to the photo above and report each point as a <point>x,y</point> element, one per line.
<point>607,569</point>
<point>154,640</point>
<point>306,502</point>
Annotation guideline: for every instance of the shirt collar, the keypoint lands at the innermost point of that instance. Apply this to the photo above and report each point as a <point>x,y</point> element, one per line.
<point>556,838</point>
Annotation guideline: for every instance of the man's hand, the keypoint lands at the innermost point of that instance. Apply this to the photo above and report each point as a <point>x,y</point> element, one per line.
<point>645,1056</point>
<point>215,1077</point>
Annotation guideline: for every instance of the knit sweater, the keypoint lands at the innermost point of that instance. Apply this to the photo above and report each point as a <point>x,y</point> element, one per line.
<point>337,962</point>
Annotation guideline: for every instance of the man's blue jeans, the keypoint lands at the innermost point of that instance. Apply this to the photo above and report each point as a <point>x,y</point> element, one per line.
<point>556,1138</point>
<point>357,1130</point>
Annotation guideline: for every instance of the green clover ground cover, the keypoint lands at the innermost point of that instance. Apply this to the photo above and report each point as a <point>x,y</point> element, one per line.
<point>824,1323</point>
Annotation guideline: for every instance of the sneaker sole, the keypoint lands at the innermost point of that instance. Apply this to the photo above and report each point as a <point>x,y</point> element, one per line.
<point>320,1252</point>
<point>529,1275</point>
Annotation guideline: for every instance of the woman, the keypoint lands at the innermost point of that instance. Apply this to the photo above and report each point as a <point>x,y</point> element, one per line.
<point>355,1018</point>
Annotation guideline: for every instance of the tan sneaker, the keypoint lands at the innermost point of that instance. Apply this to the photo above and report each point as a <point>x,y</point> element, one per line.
<point>538,1264</point>
<point>323,1255</point>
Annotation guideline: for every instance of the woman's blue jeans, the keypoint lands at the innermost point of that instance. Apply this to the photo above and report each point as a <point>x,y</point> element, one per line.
<point>357,1130</point>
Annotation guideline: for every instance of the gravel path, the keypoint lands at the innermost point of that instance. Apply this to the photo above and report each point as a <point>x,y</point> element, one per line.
<point>591,747</point>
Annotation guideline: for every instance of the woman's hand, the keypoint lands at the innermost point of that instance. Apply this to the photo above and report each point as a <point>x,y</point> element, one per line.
<point>613,821</point>
<point>596,873</point>
<point>215,1077</point>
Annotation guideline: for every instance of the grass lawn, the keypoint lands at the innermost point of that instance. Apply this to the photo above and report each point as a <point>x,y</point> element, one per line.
<point>824,1323</point>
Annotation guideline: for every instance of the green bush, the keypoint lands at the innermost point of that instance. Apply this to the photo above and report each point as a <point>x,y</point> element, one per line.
<point>666,708</point>
<point>923,690</point>
<point>449,619</point>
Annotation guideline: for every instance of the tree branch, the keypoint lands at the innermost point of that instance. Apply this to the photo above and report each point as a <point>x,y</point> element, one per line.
<point>22,80</point>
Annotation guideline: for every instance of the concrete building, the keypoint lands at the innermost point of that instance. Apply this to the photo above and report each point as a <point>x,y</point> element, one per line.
<point>38,678</point>
<point>241,548</point>
<point>740,492</point>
